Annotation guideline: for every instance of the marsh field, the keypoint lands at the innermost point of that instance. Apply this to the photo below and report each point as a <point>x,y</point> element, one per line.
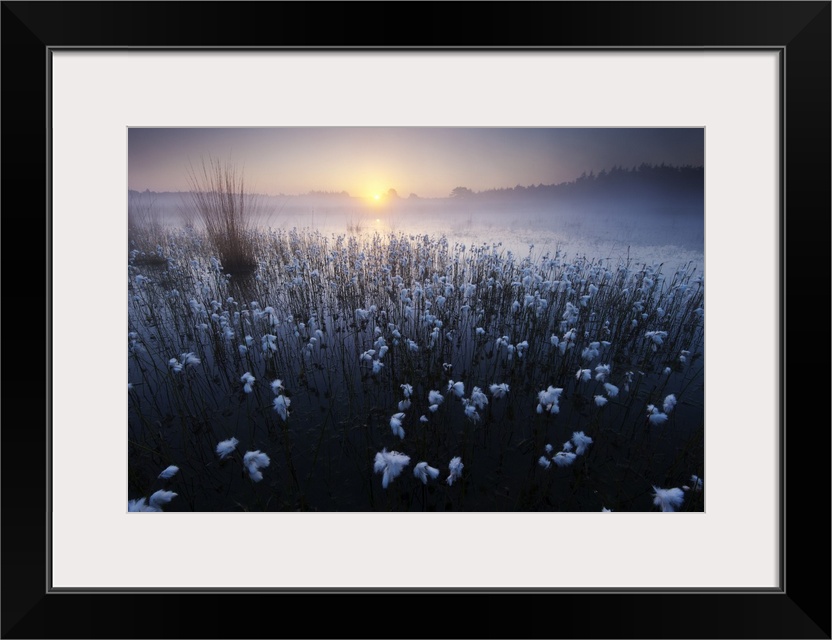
<point>428,356</point>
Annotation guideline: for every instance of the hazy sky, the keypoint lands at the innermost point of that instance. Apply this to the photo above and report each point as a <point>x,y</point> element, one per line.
<point>426,161</point>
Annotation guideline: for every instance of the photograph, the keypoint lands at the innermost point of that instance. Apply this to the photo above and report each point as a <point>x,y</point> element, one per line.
<point>471,319</point>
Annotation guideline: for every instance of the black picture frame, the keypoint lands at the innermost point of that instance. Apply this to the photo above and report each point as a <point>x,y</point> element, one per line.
<point>800,31</point>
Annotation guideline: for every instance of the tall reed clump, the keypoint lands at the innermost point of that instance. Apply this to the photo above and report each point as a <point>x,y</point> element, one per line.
<point>218,198</point>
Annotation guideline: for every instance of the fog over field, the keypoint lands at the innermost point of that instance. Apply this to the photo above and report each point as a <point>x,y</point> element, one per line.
<point>652,227</point>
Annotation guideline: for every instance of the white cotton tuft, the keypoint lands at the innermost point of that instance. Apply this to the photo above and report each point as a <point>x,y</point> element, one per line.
<point>404,405</point>
<point>611,389</point>
<point>169,472</point>
<point>499,390</point>
<point>254,461</point>
<point>549,448</point>
<point>423,471</point>
<point>455,466</point>
<point>471,411</point>
<point>161,497</point>
<point>190,359</point>
<point>696,481</point>
<point>407,390</point>
<point>582,442</point>
<point>277,386</point>
<point>668,499</point>
<point>141,505</point>
<point>225,447</point>
<point>248,381</point>
<point>435,398</point>
<point>457,387</point>
<point>657,418</point>
<point>390,465</point>
<point>396,425</point>
<point>669,403</point>
<point>567,446</point>
<point>548,400</point>
<point>564,458</point>
<point>281,405</point>
<point>544,462</point>
<point>423,418</point>
<point>478,398</point>
<point>601,372</point>
<point>583,375</point>
<point>600,401</point>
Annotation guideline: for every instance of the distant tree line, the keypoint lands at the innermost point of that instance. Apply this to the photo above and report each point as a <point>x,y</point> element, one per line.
<point>646,179</point>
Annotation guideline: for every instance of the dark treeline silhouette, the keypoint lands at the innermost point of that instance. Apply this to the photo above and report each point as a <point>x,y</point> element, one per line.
<point>656,184</point>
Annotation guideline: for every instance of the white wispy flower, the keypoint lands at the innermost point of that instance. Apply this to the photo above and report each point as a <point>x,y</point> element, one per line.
<point>190,359</point>
<point>657,418</point>
<point>248,380</point>
<point>657,337</point>
<point>396,425</point>
<point>169,472</point>
<point>480,331</point>
<point>225,447</point>
<point>175,365</point>
<point>423,471</point>
<point>161,497</point>
<point>254,461</point>
<point>582,441</point>
<point>601,372</point>
<point>242,349</point>
<point>667,371</point>
<point>455,466</point>
<point>277,386</point>
<point>544,462</point>
<point>583,375</point>
<point>471,411</point>
<point>696,481</point>
<point>268,343</point>
<point>549,448</point>
<point>611,389</point>
<point>564,458</point>
<point>499,390</point>
<point>605,510</point>
<point>407,390</point>
<point>141,505</point>
<point>433,408</point>
<point>568,446</point>
<point>668,499</point>
<point>478,398</point>
<point>669,403</point>
<point>548,400</point>
<point>423,418</point>
<point>600,401</point>
<point>377,367</point>
<point>434,397</point>
<point>457,387</point>
<point>404,405</point>
<point>390,464</point>
<point>281,405</point>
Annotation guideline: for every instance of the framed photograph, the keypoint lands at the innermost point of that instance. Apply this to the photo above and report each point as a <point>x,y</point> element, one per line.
<point>115,98</point>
